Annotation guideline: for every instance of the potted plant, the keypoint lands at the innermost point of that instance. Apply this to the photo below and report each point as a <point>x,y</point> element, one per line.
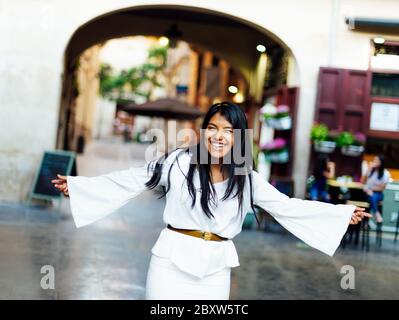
<point>282,118</point>
<point>276,151</point>
<point>277,117</point>
<point>268,112</point>
<point>322,138</point>
<point>351,144</point>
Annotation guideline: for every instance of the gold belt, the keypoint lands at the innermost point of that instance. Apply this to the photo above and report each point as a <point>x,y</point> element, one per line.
<point>199,234</point>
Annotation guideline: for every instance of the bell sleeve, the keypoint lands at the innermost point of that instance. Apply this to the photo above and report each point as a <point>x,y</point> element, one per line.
<point>320,225</point>
<point>93,198</point>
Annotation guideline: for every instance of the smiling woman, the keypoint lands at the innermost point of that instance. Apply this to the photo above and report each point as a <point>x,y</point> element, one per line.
<point>219,136</point>
<point>208,191</point>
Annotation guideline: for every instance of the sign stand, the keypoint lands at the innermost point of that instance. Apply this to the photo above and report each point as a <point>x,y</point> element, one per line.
<point>53,163</point>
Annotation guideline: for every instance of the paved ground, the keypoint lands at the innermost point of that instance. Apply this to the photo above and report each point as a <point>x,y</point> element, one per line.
<point>109,259</point>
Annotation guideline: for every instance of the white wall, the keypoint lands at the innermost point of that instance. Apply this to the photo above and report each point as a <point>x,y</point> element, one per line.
<point>34,35</point>
<point>103,119</point>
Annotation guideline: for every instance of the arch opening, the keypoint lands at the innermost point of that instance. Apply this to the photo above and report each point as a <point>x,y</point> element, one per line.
<point>211,35</point>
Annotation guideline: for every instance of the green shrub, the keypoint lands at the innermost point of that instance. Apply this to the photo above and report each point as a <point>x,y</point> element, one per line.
<point>345,138</point>
<point>319,132</point>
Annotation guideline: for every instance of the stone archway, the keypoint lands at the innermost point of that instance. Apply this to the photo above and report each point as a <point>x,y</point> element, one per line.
<point>238,49</point>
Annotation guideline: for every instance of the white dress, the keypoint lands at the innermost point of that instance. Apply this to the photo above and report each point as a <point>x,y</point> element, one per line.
<point>186,267</point>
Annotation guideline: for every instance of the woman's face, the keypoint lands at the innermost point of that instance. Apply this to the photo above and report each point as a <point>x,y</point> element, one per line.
<point>219,136</point>
<point>376,162</point>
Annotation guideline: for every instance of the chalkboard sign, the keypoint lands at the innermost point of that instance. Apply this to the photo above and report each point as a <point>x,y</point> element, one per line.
<point>53,163</point>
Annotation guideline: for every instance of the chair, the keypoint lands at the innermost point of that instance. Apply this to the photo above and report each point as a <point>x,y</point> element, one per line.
<point>378,235</point>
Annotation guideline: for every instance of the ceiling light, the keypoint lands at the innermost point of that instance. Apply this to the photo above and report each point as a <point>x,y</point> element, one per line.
<point>261,48</point>
<point>163,41</point>
<point>379,40</point>
<point>239,98</point>
<point>233,89</point>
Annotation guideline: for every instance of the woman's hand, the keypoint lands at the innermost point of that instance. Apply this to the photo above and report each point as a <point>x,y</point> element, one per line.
<point>61,184</point>
<point>369,192</point>
<point>372,165</point>
<point>358,215</point>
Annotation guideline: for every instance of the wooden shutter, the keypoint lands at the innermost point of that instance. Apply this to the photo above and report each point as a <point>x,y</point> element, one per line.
<point>343,99</point>
<point>343,103</point>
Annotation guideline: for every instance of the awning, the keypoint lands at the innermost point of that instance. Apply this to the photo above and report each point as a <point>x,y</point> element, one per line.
<point>164,108</point>
<point>373,25</point>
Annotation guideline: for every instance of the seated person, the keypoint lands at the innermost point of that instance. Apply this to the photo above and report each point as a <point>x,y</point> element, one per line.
<point>323,170</point>
<point>376,179</point>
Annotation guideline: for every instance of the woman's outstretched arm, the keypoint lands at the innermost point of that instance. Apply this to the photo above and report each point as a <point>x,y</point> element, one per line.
<point>320,225</point>
<point>93,198</point>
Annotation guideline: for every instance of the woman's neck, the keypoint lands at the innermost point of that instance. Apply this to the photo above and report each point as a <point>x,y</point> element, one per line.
<point>216,173</point>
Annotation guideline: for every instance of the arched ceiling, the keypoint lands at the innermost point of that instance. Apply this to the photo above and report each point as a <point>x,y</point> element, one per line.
<point>229,39</point>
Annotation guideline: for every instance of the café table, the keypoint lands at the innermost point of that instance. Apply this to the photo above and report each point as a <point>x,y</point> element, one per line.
<point>353,191</point>
<point>348,184</point>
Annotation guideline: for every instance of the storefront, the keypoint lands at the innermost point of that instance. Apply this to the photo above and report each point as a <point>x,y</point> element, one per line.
<point>360,109</point>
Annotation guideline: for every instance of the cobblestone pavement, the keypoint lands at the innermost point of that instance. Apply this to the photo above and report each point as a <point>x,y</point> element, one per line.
<point>109,259</point>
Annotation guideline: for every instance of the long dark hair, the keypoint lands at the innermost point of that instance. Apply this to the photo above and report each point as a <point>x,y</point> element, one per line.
<point>242,145</point>
<point>381,168</point>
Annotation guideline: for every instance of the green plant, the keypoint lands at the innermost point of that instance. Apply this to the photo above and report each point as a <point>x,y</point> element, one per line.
<point>319,132</point>
<point>114,85</point>
<point>282,111</point>
<point>345,138</point>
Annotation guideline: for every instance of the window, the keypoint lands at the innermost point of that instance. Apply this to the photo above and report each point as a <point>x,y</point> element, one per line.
<point>385,85</point>
<point>385,56</point>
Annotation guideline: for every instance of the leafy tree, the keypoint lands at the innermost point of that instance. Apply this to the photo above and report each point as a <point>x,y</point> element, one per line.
<point>115,86</point>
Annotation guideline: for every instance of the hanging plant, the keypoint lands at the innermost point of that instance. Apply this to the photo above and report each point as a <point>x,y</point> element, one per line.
<point>276,151</point>
<point>268,111</point>
<point>345,138</point>
<point>277,117</point>
<point>360,139</point>
<point>282,111</point>
<point>319,132</point>
<point>323,140</point>
<point>352,145</point>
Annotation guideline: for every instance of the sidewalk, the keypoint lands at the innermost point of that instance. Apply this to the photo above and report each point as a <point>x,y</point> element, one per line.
<point>109,259</point>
